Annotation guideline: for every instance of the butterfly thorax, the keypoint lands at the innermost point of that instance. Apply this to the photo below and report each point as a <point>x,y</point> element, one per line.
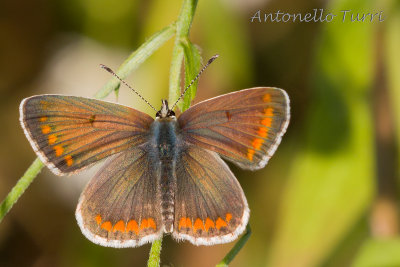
<point>165,135</point>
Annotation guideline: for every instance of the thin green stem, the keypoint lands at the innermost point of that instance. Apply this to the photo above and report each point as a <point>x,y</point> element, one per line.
<point>236,248</point>
<point>20,187</point>
<point>155,251</point>
<point>182,33</point>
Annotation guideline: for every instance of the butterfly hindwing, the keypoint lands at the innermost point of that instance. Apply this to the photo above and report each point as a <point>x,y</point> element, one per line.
<point>244,127</point>
<point>210,207</point>
<point>120,206</point>
<point>70,133</point>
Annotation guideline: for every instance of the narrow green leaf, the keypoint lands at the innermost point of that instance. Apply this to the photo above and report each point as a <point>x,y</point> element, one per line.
<point>185,18</point>
<point>137,58</point>
<point>20,187</point>
<point>192,67</point>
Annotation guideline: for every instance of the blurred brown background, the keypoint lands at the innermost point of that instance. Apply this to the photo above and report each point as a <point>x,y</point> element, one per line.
<point>329,196</point>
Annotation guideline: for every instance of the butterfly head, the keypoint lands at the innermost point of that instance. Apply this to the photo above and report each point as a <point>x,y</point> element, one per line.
<point>165,112</point>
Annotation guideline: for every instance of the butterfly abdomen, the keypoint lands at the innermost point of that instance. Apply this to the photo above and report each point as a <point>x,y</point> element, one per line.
<point>168,188</point>
<point>164,132</point>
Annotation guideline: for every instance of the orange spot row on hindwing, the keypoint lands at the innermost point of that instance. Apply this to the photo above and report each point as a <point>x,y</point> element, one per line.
<point>199,224</point>
<point>130,226</point>
<point>262,130</point>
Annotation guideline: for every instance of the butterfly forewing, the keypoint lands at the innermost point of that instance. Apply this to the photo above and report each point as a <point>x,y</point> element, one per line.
<point>69,133</point>
<point>120,206</point>
<point>244,127</point>
<point>210,207</point>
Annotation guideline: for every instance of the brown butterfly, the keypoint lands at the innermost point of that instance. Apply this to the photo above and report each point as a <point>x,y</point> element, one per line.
<point>163,175</point>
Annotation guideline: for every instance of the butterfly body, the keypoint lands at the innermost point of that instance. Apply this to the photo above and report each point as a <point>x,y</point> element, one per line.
<point>162,175</point>
<point>164,151</point>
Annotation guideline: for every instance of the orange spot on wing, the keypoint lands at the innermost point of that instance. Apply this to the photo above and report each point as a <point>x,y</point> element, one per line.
<point>267,122</point>
<point>43,119</point>
<point>185,222</point>
<point>228,217</point>
<point>209,224</point>
<point>144,224</point>
<point>188,223</point>
<point>107,226</point>
<point>68,160</point>
<point>250,153</point>
<point>220,223</point>
<point>257,143</point>
<point>269,112</point>
<point>152,223</point>
<point>59,150</point>
<point>98,219</point>
<point>119,226</point>
<point>132,226</point>
<point>182,223</point>
<point>262,132</point>
<point>267,98</point>
<point>52,139</point>
<point>198,224</point>
<point>45,129</point>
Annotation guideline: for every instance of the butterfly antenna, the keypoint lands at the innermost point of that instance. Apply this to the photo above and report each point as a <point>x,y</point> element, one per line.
<point>116,76</point>
<point>196,78</point>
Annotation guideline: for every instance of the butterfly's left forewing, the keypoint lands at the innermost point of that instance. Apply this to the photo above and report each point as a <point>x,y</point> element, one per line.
<point>70,133</point>
<point>244,127</point>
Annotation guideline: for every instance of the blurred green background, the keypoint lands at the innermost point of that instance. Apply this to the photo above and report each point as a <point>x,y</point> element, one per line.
<point>329,196</point>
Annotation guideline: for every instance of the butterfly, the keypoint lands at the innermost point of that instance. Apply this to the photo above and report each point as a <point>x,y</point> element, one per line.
<point>162,174</point>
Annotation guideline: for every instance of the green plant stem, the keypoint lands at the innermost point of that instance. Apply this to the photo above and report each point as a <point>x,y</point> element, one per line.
<point>155,251</point>
<point>137,58</point>
<point>236,248</point>
<point>20,187</point>
<point>182,33</point>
